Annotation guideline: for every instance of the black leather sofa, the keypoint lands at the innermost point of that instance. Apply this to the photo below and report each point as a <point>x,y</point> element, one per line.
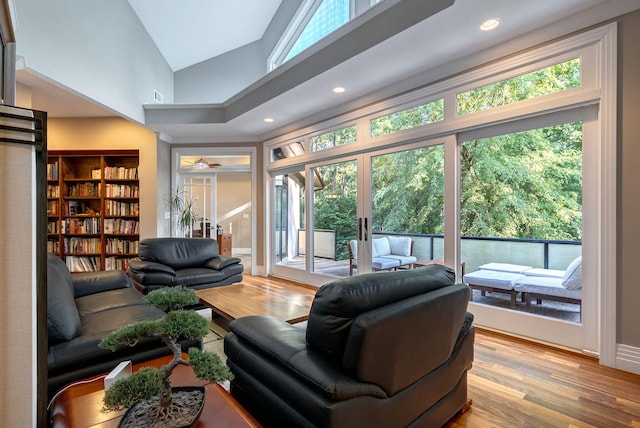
<point>389,349</point>
<point>83,308</point>
<point>191,262</point>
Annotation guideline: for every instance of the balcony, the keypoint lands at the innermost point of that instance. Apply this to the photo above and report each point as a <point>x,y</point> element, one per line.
<point>475,251</point>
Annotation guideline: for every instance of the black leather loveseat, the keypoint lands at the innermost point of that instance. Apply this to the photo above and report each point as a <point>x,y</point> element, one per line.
<point>83,308</point>
<point>388,349</point>
<point>193,263</point>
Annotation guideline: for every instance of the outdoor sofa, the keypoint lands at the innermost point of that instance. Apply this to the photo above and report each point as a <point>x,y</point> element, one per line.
<point>388,253</point>
<point>532,283</point>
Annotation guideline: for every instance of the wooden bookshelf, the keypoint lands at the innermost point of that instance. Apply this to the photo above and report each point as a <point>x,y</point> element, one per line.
<point>93,208</point>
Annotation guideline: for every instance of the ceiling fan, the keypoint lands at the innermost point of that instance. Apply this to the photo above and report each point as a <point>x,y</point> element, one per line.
<point>203,164</point>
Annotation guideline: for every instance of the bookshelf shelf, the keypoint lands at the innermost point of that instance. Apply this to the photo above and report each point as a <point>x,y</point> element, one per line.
<point>93,208</point>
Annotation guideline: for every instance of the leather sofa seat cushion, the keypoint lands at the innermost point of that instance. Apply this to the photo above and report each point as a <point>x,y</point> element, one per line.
<point>64,356</point>
<point>179,253</point>
<point>108,301</point>
<point>63,321</point>
<point>194,276</point>
<point>337,303</point>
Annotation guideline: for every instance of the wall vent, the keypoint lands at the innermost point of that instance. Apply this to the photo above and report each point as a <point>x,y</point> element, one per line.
<point>158,97</point>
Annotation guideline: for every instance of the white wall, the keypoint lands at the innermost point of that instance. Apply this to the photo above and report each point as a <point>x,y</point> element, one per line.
<point>218,79</point>
<point>98,48</point>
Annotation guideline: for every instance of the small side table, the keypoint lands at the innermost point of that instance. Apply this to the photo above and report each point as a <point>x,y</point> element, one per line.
<point>224,244</point>
<point>80,405</point>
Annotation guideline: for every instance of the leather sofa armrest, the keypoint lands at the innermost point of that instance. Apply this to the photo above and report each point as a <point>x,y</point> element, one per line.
<point>221,262</point>
<point>86,283</point>
<point>147,266</point>
<point>278,340</point>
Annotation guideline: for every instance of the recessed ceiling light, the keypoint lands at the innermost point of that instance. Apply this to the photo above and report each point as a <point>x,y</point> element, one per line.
<point>268,119</point>
<point>339,89</point>
<point>490,24</point>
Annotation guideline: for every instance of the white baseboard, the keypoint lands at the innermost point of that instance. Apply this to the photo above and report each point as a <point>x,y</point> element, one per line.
<point>628,358</point>
<point>259,271</point>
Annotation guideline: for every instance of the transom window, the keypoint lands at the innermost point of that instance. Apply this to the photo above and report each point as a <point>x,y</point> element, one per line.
<point>315,20</point>
<point>545,81</point>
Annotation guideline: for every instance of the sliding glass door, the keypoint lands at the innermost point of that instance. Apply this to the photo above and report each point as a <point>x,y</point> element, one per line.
<point>351,202</point>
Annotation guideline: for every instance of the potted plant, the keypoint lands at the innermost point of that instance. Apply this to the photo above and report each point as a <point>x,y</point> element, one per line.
<point>182,213</point>
<point>148,393</point>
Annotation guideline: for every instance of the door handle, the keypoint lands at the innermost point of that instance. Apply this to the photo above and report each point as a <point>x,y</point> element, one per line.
<point>366,228</point>
<point>360,229</point>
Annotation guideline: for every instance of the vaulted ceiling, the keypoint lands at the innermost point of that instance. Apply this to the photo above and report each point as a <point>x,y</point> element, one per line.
<point>191,31</point>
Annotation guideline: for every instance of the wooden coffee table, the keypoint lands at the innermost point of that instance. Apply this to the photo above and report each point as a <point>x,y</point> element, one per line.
<point>239,300</point>
<point>80,405</point>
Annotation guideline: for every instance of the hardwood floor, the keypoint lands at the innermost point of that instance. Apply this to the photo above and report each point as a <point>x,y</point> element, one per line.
<point>517,383</point>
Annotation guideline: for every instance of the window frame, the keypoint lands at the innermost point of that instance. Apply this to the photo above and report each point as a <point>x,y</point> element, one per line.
<point>597,49</point>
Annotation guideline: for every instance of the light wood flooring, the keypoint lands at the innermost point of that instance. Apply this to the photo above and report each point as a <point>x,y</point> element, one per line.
<point>517,383</point>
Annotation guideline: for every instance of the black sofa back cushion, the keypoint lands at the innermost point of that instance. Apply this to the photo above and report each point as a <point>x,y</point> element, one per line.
<point>63,321</point>
<point>179,253</point>
<point>337,303</point>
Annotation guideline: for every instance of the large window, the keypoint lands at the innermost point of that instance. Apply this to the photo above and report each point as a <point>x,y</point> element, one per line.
<point>521,204</point>
<point>511,162</point>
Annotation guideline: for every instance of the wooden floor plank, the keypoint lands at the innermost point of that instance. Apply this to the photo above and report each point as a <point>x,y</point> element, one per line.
<point>517,383</point>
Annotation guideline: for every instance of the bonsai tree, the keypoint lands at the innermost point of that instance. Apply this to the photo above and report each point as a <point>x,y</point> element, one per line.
<point>149,382</point>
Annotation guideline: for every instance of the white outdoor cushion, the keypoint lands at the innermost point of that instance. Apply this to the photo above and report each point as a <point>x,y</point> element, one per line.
<point>403,260</point>
<point>572,279</point>
<point>381,247</point>
<point>505,267</point>
<point>400,246</point>
<point>381,263</point>
<point>492,278</point>
<point>549,273</point>
<point>354,248</point>
<point>546,285</point>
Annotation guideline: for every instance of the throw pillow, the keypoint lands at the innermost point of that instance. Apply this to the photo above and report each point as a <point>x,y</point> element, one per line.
<point>572,279</point>
<point>400,246</point>
<point>381,247</point>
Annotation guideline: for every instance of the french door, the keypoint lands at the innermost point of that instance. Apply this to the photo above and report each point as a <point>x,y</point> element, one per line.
<point>327,215</point>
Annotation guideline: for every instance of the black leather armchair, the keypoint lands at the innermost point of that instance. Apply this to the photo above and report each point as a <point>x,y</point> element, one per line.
<point>388,349</point>
<point>83,308</point>
<point>190,262</point>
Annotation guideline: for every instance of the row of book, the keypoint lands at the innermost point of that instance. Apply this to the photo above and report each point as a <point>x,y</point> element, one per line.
<point>115,263</point>
<point>53,191</point>
<point>82,245</point>
<point>120,173</point>
<point>82,263</point>
<point>85,189</point>
<point>121,246</point>
<point>122,208</point>
<point>81,225</point>
<point>53,171</point>
<point>122,191</point>
<point>53,246</point>
<point>52,208</point>
<point>121,226</point>
<point>53,227</point>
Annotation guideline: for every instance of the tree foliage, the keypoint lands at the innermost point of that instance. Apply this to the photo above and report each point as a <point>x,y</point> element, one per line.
<point>521,185</point>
